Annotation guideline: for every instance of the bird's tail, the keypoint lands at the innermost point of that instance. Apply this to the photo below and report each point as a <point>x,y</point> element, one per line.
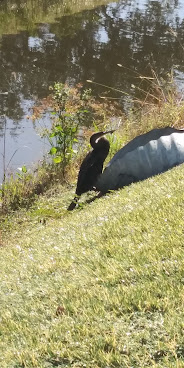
<point>73,204</point>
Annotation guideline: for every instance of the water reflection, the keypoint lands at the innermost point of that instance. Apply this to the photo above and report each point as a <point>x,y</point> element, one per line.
<point>74,46</point>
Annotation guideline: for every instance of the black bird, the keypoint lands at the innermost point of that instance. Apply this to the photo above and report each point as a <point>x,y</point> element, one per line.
<point>91,166</point>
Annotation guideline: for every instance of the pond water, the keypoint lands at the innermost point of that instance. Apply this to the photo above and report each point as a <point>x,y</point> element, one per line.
<point>71,41</point>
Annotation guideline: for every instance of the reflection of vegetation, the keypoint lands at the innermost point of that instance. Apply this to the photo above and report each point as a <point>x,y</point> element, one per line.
<point>23,15</point>
<point>31,61</point>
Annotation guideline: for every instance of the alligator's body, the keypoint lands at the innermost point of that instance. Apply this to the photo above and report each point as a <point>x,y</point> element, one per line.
<point>146,155</point>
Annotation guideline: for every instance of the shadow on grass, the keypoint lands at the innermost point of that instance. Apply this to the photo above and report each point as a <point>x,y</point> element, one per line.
<point>74,204</point>
<point>59,363</point>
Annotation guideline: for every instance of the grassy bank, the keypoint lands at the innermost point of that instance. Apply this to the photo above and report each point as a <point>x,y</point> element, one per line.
<point>102,286</point>
<point>98,287</point>
<point>22,189</point>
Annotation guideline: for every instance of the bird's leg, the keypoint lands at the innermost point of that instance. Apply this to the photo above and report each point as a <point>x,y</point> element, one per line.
<point>100,194</point>
<point>73,203</point>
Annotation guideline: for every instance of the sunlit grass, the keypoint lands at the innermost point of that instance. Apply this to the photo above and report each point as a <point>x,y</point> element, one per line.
<point>102,286</point>
<point>99,287</point>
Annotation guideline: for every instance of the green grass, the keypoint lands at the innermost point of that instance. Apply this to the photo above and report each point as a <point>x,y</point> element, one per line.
<point>102,286</point>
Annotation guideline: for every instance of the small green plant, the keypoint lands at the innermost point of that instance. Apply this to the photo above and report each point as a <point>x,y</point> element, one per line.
<point>23,171</point>
<point>12,189</point>
<point>21,189</point>
<point>71,107</point>
<point>69,111</point>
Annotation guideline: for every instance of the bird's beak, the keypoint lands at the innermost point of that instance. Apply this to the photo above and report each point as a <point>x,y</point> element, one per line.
<point>110,131</point>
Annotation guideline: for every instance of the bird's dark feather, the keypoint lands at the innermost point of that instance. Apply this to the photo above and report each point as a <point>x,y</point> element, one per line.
<point>91,167</point>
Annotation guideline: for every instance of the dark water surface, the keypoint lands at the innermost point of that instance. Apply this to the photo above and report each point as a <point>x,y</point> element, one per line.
<point>70,41</point>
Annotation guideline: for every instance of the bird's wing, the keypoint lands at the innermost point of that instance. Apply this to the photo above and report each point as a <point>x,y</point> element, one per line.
<point>90,168</point>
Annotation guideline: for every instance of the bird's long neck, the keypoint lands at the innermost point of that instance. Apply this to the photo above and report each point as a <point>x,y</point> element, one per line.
<point>94,138</point>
